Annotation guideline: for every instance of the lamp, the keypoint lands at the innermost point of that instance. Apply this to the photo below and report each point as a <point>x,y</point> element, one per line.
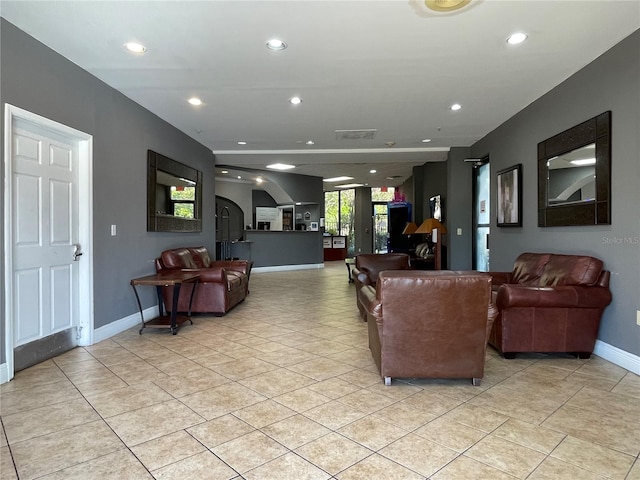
<point>410,228</point>
<point>433,226</point>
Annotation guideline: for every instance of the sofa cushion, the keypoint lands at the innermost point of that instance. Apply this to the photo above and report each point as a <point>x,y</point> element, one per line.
<point>528,268</point>
<point>234,279</point>
<point>571,270</point>
<point>178,258</point>
<point>374,263</point>
<point>200,256</point>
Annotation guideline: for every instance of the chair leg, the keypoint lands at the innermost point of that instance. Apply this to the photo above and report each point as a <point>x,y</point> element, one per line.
<point>583,355</point>
<point>387,381</point>
<point>476,381</point>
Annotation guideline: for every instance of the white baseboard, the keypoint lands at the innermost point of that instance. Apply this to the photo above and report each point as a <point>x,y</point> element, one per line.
<point>620,357</point>
<point>113,328</point>
<point>284,268</point>
<point>4,373</point>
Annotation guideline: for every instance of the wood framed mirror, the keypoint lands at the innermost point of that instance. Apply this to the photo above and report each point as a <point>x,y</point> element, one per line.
<point>174,195</point>
<point>574,175</point>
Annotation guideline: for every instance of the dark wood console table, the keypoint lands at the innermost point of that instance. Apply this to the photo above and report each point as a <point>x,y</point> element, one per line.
<point>160,280</point>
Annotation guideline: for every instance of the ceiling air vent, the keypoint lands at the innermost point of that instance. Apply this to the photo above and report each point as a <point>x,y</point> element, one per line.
<point>366,134</point>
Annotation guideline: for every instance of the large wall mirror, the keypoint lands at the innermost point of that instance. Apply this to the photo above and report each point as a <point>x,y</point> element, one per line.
<point>174,195</point>
<point>574,175</point>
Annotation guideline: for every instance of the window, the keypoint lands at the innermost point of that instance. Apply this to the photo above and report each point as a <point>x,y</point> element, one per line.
<point>183,201</point>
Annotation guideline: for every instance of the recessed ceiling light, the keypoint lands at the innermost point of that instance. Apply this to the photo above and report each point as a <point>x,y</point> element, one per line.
<point>195,101</point>
<point>239,177</point>
<point>295,100</point>
<point>455,107</point>
<point>426,140</point>
<point>134,47</point>
<point>280,166</point>
<point>350,185</point>
<point>373,171</point>
<point>310,142</point>
<point>224,171</point>
<point>337,179</point>
<point>276,44</point>
<point>516,38</point>
<point>259,180</point>
<point>242,143</point>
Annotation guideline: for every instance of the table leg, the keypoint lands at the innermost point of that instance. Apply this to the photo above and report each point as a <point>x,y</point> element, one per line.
<point>139,308</point>
<point>174,308</point>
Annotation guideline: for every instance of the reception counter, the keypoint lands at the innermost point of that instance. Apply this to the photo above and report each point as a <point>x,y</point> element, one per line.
<point>295,248</point>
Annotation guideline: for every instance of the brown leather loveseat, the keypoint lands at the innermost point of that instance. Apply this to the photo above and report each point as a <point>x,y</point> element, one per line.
<point>429,324</point>
<point>549,303</point>
<point>223,283</point>
<point>369,265</point>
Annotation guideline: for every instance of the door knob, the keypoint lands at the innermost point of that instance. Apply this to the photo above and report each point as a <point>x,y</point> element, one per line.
<point>77,252</point>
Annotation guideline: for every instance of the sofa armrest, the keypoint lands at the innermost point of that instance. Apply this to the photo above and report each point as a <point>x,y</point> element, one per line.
<point>213,275</point>
<point>552,297</point>
<point>241,266</point>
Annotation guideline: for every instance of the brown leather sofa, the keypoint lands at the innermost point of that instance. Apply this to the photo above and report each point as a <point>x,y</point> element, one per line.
<point>549,303</point>
<point>429,324</point>
<point>223,283</point>
<point>369,265</point>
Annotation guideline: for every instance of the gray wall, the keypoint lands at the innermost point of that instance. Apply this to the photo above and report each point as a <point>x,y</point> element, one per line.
<point>37,79</point>
<point>609,83</point>
<point>363,223</point>
<point>458,207</point>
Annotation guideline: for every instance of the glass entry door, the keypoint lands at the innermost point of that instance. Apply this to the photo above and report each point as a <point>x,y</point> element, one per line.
<point>481,218</point>
<point>380,227</point>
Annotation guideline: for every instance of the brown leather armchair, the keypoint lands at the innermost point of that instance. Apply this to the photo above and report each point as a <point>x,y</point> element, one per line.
<point>549,303</point>
<point>429,324</point>
<point>222,285</point>
<point>369,265</point>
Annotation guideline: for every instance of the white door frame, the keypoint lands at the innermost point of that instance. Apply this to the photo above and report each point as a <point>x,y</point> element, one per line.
<point>85,192</point>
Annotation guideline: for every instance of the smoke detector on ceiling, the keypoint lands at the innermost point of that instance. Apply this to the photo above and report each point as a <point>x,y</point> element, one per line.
<point>362,134</point>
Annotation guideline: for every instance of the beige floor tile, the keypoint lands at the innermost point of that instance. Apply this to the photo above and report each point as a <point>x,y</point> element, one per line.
<point>287,356</point>
<point>286,467</point>
<point>451,434</point>
<point>3,436</point>
<point>333,453</point>
<point>7,469</point>
<point>220,430</point>
<point>95,374</point>
<point>366,400</point>
<point>419,454</point>
<point>400,390</point>
<point>629,385</point>
<point>531,407</point>
<point>554,469</point>
<point>541,439</point>
<point>37,396</point>
<point>107,383</point>
<point>302,399</point>
<point>80,366</point>
<point>372,432</point>
<point>334,414</point>
<point>120,464</point>
<point>139,426</point>
<point>465,468</point>
<point>295,431</point>
<point>607,430</point>
<point>44,420</point>
<point>45,372</point>
<point>416,410</point>
<point>264,413</point>
<point>634,473</point>
<point>49,453</point>
<point>121,400</point>
<point>243,368</point>
<point>75,355</point>
<point>221,400</point>
<point>506,456</point>
<point>600,367</point>
<point>594,458</point>
<point>277,382</point>
<point>249,451</point>
<point>334,388</point>
<point>378,467</point>
<point>624,407</point>
<point>171,448</point>
<point>203,465</point>
<point>321,368</point>
<point>559,390</point>
<point>181,385</point>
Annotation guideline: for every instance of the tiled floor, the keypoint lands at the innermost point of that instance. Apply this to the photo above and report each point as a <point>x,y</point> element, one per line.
<point>284,387</point>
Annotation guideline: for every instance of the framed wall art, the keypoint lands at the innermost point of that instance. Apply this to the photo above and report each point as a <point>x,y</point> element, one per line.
<point>509,204</point>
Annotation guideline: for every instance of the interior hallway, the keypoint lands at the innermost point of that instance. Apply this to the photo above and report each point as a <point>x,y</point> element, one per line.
<point>284,387</point>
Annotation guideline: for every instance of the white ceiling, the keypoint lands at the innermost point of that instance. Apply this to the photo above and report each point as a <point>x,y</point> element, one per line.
<point>386,65</point>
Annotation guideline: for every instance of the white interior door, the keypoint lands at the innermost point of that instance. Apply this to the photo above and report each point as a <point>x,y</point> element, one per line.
<point>45,235</point>
<point>48,281</point>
